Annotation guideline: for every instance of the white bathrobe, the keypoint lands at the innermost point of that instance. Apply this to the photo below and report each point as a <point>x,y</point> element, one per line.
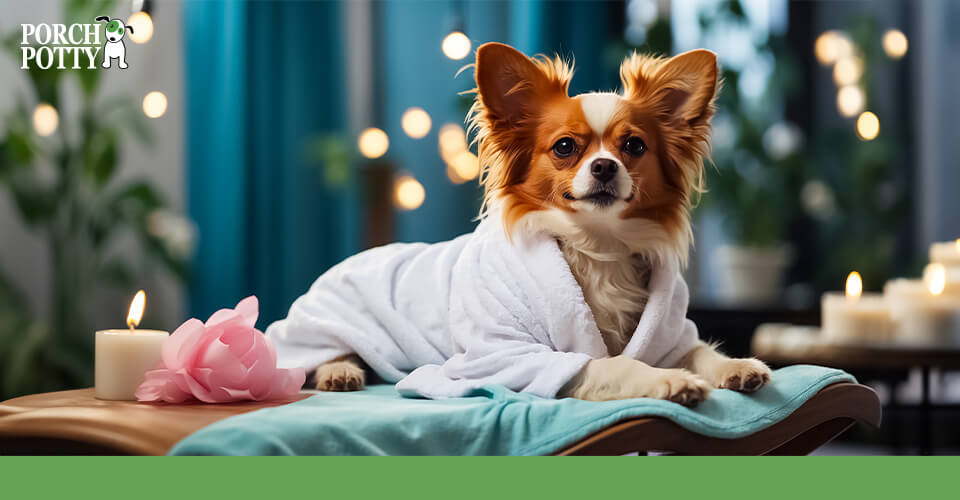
<point>444,319</point>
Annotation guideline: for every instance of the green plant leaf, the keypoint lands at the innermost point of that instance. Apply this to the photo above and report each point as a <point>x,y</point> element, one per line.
<point>100,156</point>
<point>36,201</point>
<point>134,201</point>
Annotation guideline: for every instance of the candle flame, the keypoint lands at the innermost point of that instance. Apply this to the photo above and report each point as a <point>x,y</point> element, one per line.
<point>136,309</point>
<point>854,285</point>
<point>937,279</point>
<point>958,244</point>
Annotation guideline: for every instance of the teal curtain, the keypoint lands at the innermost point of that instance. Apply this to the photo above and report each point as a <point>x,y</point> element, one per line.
<point>265,78</point>
<point>581,30</point>
<point>262,80</point>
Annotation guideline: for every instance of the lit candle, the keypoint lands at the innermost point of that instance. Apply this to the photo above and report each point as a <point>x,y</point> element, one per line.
<point>948,277</point>
<point>124,356</point>
<point>946,253</point>
<point>855,316</point>
<point>928,318</point>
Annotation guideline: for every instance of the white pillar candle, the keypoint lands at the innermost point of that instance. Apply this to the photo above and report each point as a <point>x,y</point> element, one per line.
<point>922,313</point>
<point>946,253</point>
<point>122,357</point>
<point>900,293</point>
<point>854,316</point>
<point>949,274</point>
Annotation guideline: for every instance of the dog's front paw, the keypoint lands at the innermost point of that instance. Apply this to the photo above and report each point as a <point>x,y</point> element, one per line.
<point>741,375</point>
<point>340,376</point>
<point>679,386</point>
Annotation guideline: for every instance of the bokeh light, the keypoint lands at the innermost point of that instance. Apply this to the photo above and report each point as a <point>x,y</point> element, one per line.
<point>456,45</point>
<point>453,175</point>
<point>452,139</point>
<point>895,43</point>
<point>868,126</point>
<point>373,143</point>
<point>45,119</point>
<point>831,46</point>
<point>466,165</point>
<point>142,25</point>
<point>154,104</point>
<point>415,122</point>
<point>848,70</point>
<point>850,100</point>
<point>408,193</point>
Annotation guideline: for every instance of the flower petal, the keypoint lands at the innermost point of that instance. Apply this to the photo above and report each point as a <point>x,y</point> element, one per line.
<point>221,316</point>
<point>159,385</point>
<point>176,348</point>
<point>249,309</point>
<point>227,368</point>
<point>286,383</point>
<point>213,395</point>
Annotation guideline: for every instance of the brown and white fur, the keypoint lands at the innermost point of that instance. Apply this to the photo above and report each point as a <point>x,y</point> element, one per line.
<point>610,176</point>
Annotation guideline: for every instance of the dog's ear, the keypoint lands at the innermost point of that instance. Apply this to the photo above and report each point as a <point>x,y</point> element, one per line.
<point>684,86</point>
<point>102,19</point>
<point>129,28</point>
<point>511,84</point>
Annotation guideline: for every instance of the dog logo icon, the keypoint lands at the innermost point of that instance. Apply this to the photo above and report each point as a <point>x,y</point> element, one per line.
<point>114,48</point>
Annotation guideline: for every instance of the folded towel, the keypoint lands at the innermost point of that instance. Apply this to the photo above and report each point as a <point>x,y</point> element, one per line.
<point>492,421</point>
<point>480,310</point>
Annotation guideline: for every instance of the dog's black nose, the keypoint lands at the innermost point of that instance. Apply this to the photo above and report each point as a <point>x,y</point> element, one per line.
<point>603,169</point>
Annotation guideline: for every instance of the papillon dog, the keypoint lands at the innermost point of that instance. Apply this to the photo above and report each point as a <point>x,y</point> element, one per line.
<point>612,177</point>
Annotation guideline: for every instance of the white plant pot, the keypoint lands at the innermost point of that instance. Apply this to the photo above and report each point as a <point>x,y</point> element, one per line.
<point>750,275</point>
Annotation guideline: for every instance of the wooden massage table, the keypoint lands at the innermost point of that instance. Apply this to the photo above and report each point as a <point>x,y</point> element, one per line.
<point>75,423</point>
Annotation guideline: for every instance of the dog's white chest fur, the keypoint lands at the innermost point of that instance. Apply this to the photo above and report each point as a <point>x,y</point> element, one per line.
<point>616,291</point>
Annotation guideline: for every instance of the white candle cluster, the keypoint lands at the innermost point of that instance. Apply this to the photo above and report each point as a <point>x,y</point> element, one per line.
<point>917,312</point>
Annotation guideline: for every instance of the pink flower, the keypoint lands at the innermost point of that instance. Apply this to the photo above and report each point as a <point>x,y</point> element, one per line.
<point>225,359</point>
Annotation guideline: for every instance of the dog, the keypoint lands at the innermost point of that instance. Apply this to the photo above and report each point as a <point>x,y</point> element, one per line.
<point>114,47</point>
<point>612,177</point>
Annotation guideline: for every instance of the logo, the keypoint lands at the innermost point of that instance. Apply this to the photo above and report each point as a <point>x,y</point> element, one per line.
<point>76,46</point>
<point>114,48</point>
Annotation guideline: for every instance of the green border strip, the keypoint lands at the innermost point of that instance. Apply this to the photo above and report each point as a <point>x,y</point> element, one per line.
<point>453,478</point>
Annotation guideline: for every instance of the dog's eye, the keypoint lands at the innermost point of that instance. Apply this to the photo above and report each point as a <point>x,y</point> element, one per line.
<point>635,146</point>
<point>564,147</point>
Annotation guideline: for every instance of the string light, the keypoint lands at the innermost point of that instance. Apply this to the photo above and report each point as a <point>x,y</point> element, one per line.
<point>142,25</point>
<point>452,140</point>
<point>154,104</point>
<point>831,46</point>
<point>408,193</point>
<point>848,70</point>
<point>456,45</point>
<point>868,126</point>
<point>895,43</point>
<point>415,122</point>
<point>466,165</point>
<point>45,119</point>
<point>850,100</point>
<point>453,175</point>
<point>373,143</point>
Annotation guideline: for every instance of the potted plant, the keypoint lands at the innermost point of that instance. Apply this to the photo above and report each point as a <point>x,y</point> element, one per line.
<point>60,171</point>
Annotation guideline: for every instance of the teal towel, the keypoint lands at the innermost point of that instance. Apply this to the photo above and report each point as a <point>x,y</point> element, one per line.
<point>491,421</point>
